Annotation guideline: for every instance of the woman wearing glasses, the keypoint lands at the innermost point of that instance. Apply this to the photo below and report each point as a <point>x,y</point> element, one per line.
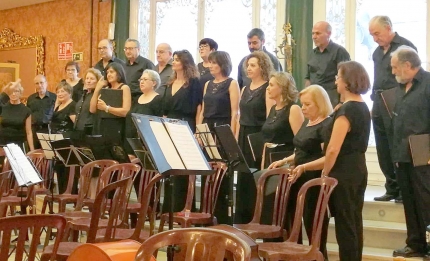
<point>206,47</point>
<point>72,70</point>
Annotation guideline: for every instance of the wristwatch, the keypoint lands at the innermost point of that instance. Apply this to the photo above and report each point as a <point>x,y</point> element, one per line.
<point>107,109</point>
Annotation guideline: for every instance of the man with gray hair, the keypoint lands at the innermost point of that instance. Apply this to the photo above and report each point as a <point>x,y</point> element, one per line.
<point>411,117</point>
<point>381,28</point>
<point>323,61</point>
<point>105,49</point>
<point>135,65</point>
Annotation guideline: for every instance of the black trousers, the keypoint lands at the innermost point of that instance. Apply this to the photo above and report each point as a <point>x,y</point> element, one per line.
<point>415,187</point>
<point>383,138</point>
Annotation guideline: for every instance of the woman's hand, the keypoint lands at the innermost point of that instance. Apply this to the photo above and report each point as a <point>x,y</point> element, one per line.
<point>296,173</point>
<point>101,83</point>
<point>101,105</point>
<point>277,164</point>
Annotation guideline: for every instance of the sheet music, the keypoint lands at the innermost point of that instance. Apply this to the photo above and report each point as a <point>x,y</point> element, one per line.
<point>187,146</point>
<point>208,141</point>
<point>24,171</point>
<point>44,139</point>
<point>166,145</point>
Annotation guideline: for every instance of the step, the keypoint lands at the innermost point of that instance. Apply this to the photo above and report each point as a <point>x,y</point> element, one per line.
<point>383,211</point>
<point>377,234</point>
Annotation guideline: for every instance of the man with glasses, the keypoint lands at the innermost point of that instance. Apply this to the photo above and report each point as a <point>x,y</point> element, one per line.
<point>256,40</point>
<point>135,66</point>
<point>41,105</point>
<point>164,66</point>
<point>105,49</point>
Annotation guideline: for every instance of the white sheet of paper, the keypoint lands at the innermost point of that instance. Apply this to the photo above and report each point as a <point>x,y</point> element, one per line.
<point>21,165</point>
<point>187,146</point>
<point>166,145</point>
<point>208,141</point>
<point>44,139</point>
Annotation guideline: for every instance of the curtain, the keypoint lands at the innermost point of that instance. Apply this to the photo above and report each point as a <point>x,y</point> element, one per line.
<point>299,14</point>
<point>121,16</point>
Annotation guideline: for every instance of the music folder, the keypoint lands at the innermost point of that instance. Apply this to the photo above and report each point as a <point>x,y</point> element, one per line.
<point>172,145</point>
<point>420,149</point>
<point>389,99</point>
<point>25,172</point>
<point>112,98</point>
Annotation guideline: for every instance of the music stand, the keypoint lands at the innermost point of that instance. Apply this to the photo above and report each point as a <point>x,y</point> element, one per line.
<point>141,153</point>
<point>234,159</point>
<point>71,155</point>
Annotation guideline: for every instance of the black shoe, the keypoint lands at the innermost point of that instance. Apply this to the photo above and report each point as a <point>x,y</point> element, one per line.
<point>426,257</point>
<point>399,199</point>
<point>407,252</point>
<point>385,197</point>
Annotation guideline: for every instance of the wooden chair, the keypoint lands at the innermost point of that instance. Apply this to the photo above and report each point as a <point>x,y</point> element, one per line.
<point>276,230</point>
<point>147,197</point>
<point>115,217</point>
<point>214,243</point>
<point>4,185</point>
<point>290,249</point>
<point>23,224</point>
<point>210,195</point>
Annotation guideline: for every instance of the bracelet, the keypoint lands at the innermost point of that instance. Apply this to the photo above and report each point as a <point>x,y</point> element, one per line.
<point>107,109</point>
<point>304,168</point>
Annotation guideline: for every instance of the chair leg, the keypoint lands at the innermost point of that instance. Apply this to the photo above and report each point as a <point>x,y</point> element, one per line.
<point>45,203</point>
<point>161,227</point>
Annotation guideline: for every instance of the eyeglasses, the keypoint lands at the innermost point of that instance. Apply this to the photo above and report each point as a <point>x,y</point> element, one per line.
<point>129,48</point>
<point>39,83</point>
<point>337,77</point>
<point>144,79</point>
<point>70,70</point>
<point>104,48</point>
<point>203,46</point>
<point>160,52</point>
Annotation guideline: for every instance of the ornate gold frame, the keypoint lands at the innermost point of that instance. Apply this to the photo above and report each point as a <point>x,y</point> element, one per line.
<point>12,41</point>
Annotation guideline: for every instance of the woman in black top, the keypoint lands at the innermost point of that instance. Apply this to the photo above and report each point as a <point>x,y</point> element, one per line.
<point>84,118</point>
<point>206,47</point>
<point>112,128</point>
<point>347,139</point>
<point>220,107</point>
<point>285,118</point>
<point>16,118</point>
<point>308,143</point>
<point>254,107</point>
<point>182,100</point>
<point>72,70</point>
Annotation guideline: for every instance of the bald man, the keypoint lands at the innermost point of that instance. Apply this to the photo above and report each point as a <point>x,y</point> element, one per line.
<point>323,61</point>
<point>164,66</point>
<point>105,49</point>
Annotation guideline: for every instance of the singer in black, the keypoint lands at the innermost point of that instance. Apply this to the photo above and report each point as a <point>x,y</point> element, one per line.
<point>16,119</point>
<point>72,70</point>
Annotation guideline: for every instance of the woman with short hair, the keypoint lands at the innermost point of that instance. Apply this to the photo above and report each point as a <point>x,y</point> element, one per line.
<point>206,47</point>
<point>72,69</point>
<point>64,110</point>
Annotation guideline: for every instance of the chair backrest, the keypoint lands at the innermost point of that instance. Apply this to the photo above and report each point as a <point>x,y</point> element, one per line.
<point>190,192</point>
<point>117,207</point>
<point>22,224</point>
<point>213,241</point>
<point>281,195</point>
<point>145,178</point>
<point>327,185</point>
<point>43,165</point>
<point>212,186</point>
<point>85,179</point>
<point>4,182</point>
<point>117,171</point>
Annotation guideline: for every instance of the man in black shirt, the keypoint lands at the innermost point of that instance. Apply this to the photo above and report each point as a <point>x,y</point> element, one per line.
<point>135,65</point>
<point>323,61</point>
<point>41,105</point>
<point>256,39</point>
<point>380,28</point>
<point>105,49</point>
<point>411,116</point>
<point>164,66</point>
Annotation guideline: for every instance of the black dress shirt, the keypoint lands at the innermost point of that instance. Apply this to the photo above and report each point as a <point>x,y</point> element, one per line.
<point>411,114</point>
<point>134,71</point>
<point>322,66</point>
<point>41,108</point>
<point>165,75</point>
<point>99,65</point>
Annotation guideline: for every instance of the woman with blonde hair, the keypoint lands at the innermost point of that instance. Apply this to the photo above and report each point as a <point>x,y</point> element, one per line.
<point>308,143</point>
<point>16,118</point>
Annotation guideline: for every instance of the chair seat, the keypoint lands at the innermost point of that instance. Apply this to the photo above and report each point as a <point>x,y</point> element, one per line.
<point>14,200</point>
<point>283,250</point>
<point>75,215</point>
<point>194,218</point>
<point>256,230</point>
<point>133,207</point>
<point>64,250</point>
<point>123,233</point>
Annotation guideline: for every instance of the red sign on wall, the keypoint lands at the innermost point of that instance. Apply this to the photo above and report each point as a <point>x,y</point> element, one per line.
<point>65,51</point>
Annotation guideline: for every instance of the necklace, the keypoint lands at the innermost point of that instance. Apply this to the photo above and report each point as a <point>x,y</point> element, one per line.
<point>314,122</point>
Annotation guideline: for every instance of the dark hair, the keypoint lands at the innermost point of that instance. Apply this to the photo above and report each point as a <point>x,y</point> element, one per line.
<point>119,72</point>
<point>212,44</point>
<point>188,65</point>
<point>256,32</point>
<point>73,63</point>
<point>223,60</point>
<point>264,62</point>
<point>355,76</point>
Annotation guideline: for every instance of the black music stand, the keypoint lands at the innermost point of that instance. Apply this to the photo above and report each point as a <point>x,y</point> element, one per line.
<point>70,154</point>
<point>234,159</point>
<point>142,153</point>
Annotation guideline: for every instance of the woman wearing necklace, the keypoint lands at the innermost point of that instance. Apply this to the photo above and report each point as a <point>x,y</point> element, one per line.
<point>72,70</point>
<point>254,107</point>
<point>206,47</point>
<point>308,143</point>
<point>220,107</point>
<point>16,118</point>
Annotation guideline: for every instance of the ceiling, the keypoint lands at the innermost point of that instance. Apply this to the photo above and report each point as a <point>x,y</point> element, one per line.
<point>9,4</point>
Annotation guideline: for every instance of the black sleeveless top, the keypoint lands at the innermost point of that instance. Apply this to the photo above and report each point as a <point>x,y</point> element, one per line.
<point>205,74</point>
<point>217,100</point>
<point>277,127</point>
<point>253,106</point>
<point>13,123</point>
<point>61,122</point>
